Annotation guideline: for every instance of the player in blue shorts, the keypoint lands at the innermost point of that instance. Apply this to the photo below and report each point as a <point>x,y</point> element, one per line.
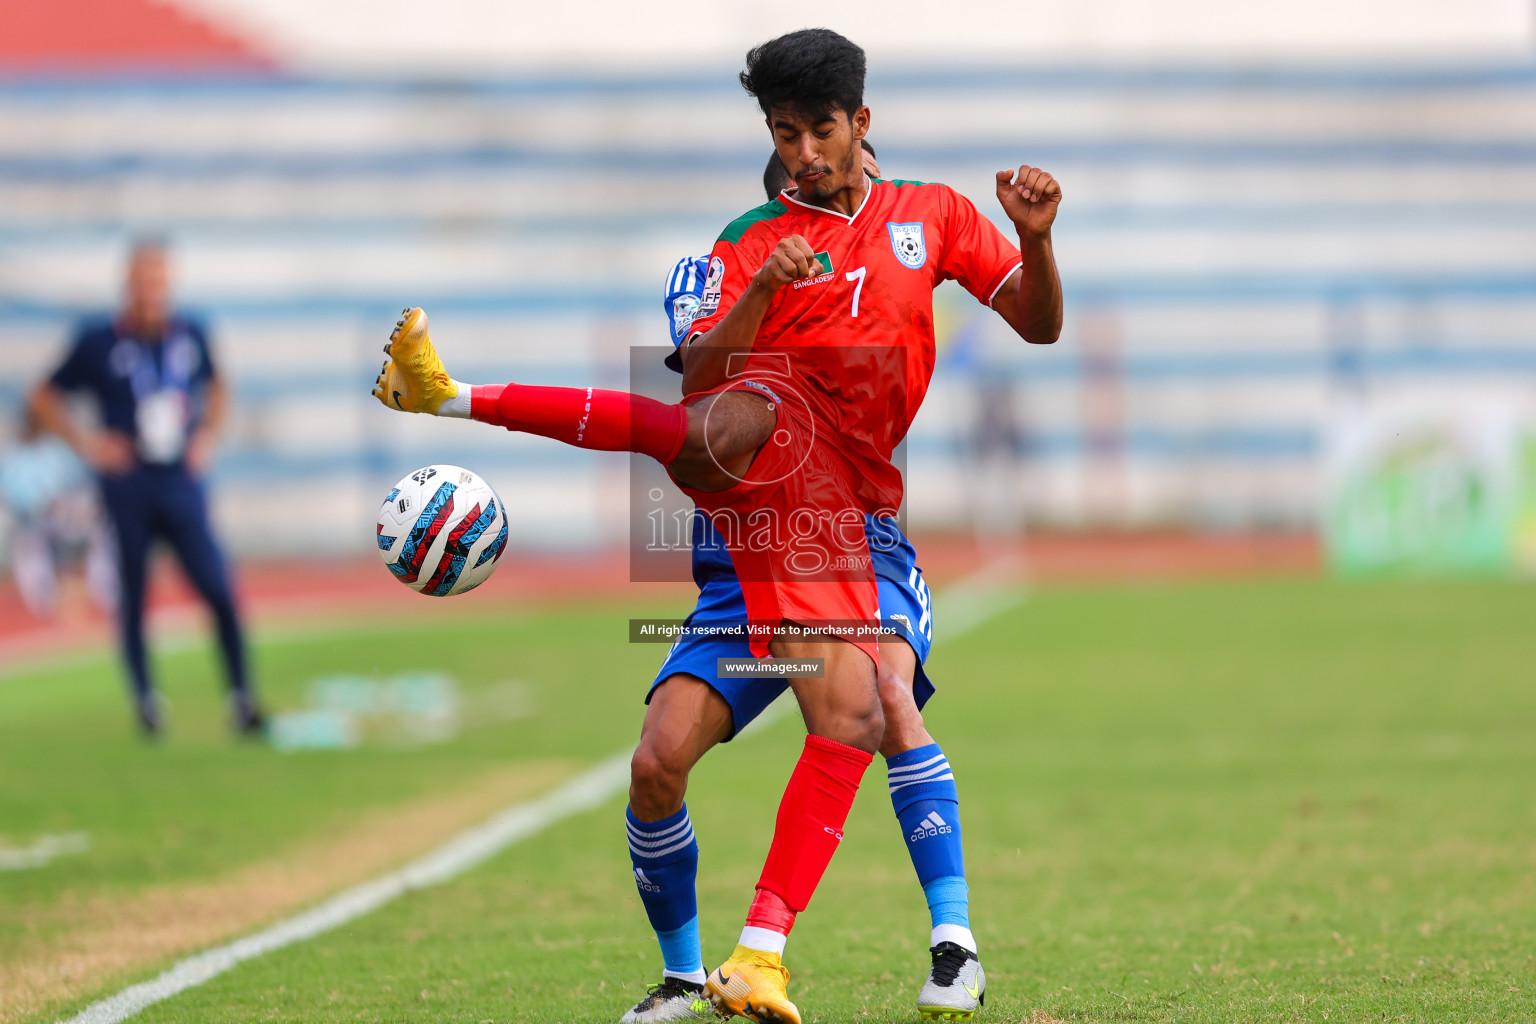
<point>692,707</point>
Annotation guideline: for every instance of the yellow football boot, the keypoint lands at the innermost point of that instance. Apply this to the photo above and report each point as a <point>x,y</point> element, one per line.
<point>413,379</point>
<point>752,984</point>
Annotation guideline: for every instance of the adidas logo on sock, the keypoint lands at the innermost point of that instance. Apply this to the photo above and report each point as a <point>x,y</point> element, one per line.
<point>645,884</point>
<point>930,826</point>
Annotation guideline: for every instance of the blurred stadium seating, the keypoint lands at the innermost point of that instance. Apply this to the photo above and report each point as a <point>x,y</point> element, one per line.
<point>1240,248</point>
<point>1299,253</point>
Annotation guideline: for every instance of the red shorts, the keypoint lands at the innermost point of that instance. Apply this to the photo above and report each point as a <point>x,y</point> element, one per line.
<point>794,526</point>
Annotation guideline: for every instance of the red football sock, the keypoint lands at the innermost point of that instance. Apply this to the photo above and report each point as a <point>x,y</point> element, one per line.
<point>808,830</point>
<point>769,911</point>
<point>609,421</point>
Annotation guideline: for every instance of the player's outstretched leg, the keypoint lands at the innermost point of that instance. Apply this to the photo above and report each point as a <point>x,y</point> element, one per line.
<point>697,439</point>
<point>927,805</point>
<point>414,379</point>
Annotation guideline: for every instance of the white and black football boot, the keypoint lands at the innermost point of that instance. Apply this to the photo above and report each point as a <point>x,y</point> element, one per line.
<point>956,984</point>
<point>672,999</point>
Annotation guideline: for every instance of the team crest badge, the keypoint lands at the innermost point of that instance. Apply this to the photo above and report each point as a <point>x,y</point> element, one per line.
<point>684,309</point>
<point>710,300</point>
<point>907,243</point>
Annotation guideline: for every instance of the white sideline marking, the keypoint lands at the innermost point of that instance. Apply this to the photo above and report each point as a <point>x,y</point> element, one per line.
<point>972,601</point>
<point>40,853</point>
<point>583,793</point>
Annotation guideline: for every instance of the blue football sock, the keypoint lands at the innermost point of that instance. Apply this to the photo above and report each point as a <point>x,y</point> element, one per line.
<point>928,807</point>
<point>666,859</point>
<point>949,901</point>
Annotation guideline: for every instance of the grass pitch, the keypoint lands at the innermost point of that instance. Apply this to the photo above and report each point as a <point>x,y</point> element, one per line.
<point>1300,801</point>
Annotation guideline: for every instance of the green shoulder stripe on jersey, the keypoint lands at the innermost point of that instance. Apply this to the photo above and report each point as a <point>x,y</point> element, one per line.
<point>898,182</point>
<point>738,227</point>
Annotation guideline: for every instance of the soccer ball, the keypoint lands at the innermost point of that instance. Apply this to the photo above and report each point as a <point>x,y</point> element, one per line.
<point>442,530</point>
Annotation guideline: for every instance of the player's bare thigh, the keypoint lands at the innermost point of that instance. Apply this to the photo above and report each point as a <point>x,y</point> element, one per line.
<point>684,719</point>
<point>725,432</point>
<point>904,728</point>
<point>842,705</point>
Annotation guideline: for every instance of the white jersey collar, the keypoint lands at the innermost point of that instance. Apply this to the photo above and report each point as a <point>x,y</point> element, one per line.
<point>787,196</point>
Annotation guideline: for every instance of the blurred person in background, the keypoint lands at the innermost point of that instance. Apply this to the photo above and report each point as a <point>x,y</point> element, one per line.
<point>55,522</point>
<point>160,402</point>
<point>993,444</point>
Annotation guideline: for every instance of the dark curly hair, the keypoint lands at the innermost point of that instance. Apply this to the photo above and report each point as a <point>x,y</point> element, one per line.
<point>814,70</point>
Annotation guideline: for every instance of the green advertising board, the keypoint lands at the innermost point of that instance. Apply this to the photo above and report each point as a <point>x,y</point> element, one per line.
<point>1431,494</point>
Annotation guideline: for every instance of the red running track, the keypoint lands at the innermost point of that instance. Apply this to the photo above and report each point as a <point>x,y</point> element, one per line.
<point>284,593</point>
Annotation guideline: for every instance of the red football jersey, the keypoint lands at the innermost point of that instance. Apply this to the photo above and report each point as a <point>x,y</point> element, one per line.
<point>860,334</point>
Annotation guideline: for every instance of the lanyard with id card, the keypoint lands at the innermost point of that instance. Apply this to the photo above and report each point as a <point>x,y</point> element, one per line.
<point>163,408</point>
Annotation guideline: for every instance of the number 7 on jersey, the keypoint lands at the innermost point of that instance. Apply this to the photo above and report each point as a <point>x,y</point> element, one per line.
<point>857,275</point>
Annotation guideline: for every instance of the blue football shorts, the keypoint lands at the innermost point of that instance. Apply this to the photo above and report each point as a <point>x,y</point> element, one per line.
<point>906,613</point>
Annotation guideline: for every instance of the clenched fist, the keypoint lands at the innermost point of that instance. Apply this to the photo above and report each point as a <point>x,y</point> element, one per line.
<point>1030,197</point>
<point>792,259</point>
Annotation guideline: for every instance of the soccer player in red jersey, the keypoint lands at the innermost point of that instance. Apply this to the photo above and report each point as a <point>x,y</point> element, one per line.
<point>716,706</point>
<point>811,355</point>
<point>865,258</point>
<point>856,321</point>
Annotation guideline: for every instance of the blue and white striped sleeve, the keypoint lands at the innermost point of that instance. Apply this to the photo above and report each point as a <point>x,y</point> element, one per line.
<point>685,286</point>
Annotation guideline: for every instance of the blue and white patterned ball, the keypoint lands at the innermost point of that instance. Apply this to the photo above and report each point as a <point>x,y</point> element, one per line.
<point>442,530</point>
